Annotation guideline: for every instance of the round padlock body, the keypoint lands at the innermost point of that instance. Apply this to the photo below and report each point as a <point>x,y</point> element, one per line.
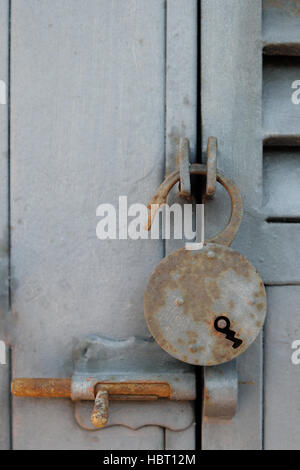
<point>205,307</point>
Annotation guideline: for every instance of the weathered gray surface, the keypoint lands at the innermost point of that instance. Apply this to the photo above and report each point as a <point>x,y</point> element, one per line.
<point>281,182</point>
<point>181,121</point>
<point>54,427</point>
<point>281,21</point>
<point>235,99</point>
<point>184,440</point>
<point>231,111</point>
<point>90,101</point>
<point>281,116</point>
<point>181,77</point>
<point>177,416</point>
<point>282,377</point>
<point>98,120</point>
<point>4,302</point>
<point>87,126</point>
<point>231,82</point>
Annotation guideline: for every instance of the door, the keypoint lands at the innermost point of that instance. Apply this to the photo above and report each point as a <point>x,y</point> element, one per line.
<point>250,62</point>
<point>97,87</point>
<point>97,94</point>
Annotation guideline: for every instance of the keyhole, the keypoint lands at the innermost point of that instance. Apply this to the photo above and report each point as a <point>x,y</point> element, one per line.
<point>222,325</point>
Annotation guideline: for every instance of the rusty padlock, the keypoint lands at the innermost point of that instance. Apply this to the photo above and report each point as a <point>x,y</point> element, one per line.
<point>205,307</point>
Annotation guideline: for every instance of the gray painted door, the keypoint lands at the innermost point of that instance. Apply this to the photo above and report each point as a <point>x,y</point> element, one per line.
<point>98,89</point>
<point>250,59</point>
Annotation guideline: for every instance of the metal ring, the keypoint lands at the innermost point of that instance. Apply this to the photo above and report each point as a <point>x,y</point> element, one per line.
<point>225,237</point>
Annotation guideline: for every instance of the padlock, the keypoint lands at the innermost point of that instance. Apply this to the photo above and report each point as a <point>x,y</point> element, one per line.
<point>205,307</point>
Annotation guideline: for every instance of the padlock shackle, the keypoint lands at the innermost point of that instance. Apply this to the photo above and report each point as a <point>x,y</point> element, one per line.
<point>225,237</point>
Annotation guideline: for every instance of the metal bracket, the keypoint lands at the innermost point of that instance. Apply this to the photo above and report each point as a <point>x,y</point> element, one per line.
<point>183,163</point>
<point>107,370</point>
<point>220,397</point>
<point>130,368</point>
<point>126,370</point>
<point>211,163</point>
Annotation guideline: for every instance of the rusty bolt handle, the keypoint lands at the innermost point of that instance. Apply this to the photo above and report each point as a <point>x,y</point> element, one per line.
<point>99,416</point>
<point>61,388</point>
<point>225,237</point>
<point>41,388</point>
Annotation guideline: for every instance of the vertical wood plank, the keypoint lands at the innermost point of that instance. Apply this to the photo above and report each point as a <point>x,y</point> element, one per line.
<point>282,377</point>
<point>231,77</point>
<point>181,121</point>
<point>181,77</point>
<point>4,232</point>
<point>88,110</point>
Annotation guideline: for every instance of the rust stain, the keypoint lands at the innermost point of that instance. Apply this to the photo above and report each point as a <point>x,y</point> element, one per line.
<point>260,307</point>
<point>129,389</point>
<point>41,388</point>
<point>99,416</point>
<point>206,394</point>
<point>195,349</point>
<point>61,388</point>
<point>192,335</point>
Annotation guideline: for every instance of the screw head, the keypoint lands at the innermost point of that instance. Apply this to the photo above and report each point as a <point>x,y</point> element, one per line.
<point>179,302</point>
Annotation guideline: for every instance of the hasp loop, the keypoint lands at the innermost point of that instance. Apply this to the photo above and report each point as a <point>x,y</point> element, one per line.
<point>225,237</point>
